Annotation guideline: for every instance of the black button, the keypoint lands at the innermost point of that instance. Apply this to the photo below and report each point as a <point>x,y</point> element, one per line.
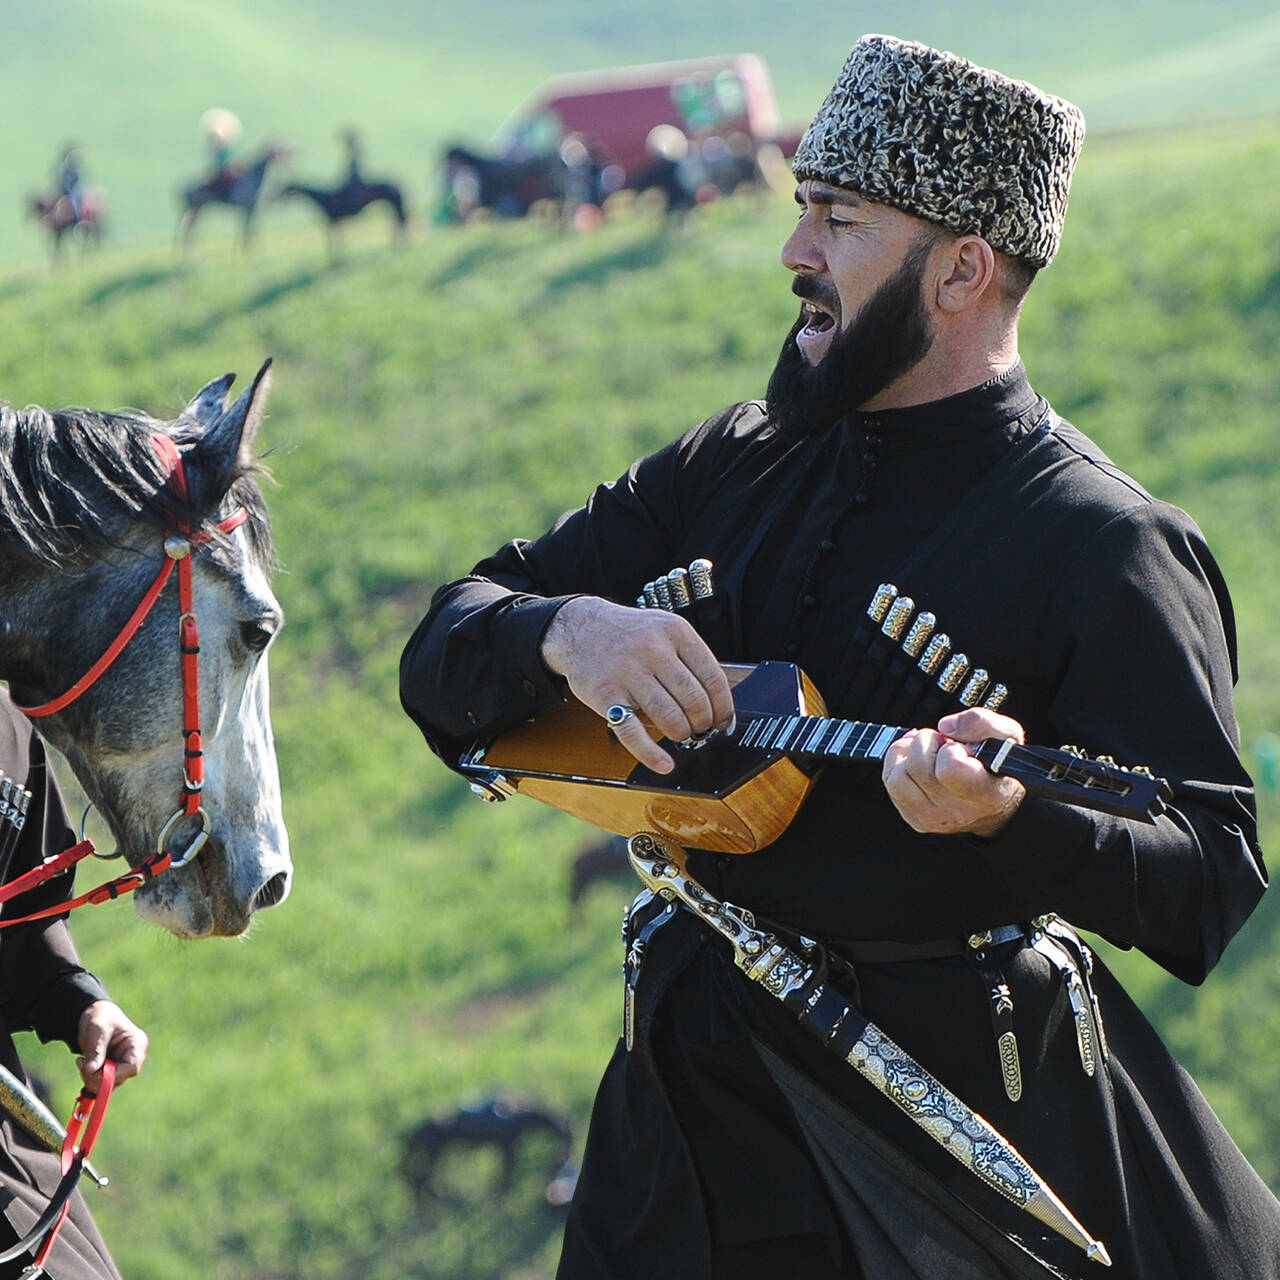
<point>791,649</point>
<point>869,458</point>
<point>860,499</point>
<point>724,862</point>
<point>809,601</point>
<point>826,545</point>
<point>529,687</point>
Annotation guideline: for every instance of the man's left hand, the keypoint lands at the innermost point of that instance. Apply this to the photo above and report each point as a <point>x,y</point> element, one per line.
<point>939,788</point>
<point>105,1032</point>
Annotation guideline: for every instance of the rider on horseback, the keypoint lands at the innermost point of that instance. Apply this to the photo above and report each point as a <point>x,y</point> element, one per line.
<point>70,180</point>
<point>222,129</point>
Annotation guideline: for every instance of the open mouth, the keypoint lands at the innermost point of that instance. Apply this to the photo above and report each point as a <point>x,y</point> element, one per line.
<point>814,336</point>
<point>202,879</point>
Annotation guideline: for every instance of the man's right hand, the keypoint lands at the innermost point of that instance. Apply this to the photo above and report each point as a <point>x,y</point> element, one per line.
<point>647,659</point>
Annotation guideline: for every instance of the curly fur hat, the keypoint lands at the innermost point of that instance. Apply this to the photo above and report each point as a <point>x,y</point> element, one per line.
<point>944,139</point>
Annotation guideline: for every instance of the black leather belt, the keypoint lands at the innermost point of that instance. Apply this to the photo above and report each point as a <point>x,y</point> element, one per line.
<point>874,951</point>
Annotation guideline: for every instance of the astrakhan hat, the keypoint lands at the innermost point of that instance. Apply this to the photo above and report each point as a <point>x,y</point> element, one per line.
<point>944,139</point>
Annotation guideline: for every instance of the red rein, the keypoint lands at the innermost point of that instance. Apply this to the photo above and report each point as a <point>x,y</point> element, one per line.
<point>82,1131</point>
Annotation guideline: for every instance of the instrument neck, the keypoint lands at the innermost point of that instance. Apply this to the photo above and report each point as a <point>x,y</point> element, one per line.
<point>816,737</point>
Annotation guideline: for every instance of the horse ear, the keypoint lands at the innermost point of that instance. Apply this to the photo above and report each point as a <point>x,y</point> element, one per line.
<point>226,448</point>
<point>207,403</point>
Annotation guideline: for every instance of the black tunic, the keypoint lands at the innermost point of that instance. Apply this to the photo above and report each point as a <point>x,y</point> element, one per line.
<point>1103,612</point>
<point>43,987</point>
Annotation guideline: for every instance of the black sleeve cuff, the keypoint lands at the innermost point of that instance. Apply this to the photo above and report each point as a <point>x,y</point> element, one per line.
<point>61,1003</point>
<point>1042,845</point>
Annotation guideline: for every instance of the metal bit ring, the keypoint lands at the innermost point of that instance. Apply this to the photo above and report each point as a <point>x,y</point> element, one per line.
<point>618,715</point>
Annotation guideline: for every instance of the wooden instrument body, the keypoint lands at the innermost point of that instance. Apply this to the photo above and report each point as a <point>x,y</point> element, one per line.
<point>737,792</point>
<point>720,796</point>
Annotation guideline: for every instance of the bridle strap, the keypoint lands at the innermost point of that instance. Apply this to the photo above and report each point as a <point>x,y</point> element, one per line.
<point>176,554</point>
<point>112,651</point>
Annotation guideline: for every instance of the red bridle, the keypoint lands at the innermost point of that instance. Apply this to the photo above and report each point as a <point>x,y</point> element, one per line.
<point>178,546</point>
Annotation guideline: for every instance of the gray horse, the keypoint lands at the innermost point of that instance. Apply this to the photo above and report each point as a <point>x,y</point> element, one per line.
<point>91,507</point>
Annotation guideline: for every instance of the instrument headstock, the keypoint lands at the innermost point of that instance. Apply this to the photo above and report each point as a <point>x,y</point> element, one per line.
<point>1070,775</point>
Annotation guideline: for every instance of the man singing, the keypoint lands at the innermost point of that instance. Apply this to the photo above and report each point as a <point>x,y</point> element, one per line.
<point>901,464</point>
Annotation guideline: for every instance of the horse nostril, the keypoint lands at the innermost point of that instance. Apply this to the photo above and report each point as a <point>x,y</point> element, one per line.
<point>272,893</point>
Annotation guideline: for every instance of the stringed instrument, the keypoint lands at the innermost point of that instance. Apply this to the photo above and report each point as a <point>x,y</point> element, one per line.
<point>736,792</point>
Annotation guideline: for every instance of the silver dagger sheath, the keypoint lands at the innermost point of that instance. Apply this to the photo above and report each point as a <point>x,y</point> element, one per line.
<point>957,1128</point>
<point>36,1118</point>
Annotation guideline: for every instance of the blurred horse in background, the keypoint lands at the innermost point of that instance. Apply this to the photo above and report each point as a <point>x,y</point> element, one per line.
<point>606,861</point>
<point>338,204</point>
<point>501,1123</point>
<point>506,186</point>
<point>239,188</point>
<point>58,216</point>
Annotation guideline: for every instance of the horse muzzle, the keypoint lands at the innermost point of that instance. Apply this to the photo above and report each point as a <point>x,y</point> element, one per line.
<point>217,891</point>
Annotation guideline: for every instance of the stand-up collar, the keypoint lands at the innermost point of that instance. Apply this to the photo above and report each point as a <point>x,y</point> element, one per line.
<point>1006,404</point>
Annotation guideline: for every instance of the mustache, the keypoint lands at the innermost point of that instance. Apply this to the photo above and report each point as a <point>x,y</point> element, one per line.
<point>817,289</point>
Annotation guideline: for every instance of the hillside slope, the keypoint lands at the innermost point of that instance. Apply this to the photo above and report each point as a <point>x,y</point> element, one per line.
<point>431,401</point>
<point>129,81</point>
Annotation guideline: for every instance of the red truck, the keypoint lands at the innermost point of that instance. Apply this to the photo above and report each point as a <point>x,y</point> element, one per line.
<point>605,120</point>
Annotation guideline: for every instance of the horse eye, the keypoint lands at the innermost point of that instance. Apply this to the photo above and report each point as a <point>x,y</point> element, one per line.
<point>256,635</point>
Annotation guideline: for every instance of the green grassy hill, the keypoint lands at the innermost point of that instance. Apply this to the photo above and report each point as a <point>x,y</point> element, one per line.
<point>128,81</point>
<point>431,401</point>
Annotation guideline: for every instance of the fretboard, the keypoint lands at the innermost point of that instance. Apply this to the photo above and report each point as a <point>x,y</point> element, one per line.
<point>816,736</point>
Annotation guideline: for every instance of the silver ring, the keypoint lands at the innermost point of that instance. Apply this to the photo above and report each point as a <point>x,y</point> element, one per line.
<point>103,857</point>
<point>618,715</point>
<point>197,842</point>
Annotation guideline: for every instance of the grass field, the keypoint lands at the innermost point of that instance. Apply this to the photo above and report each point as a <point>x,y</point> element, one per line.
<point>431,401</point>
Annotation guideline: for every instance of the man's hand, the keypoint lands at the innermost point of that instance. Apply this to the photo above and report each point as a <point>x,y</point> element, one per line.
<point>105,1032</point>
<point>938,787</point>
<point>647,659</point>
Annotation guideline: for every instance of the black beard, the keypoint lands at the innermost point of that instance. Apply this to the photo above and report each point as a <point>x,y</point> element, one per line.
<point>890,334</point>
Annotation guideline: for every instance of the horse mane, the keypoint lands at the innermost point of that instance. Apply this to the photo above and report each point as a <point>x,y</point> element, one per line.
<point>69,478</point>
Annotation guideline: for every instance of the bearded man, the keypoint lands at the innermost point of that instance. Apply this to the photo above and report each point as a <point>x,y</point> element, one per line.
<point>902,459</point>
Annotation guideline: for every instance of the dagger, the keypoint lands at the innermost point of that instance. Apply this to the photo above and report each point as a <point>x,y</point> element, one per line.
<point>957,1128</point>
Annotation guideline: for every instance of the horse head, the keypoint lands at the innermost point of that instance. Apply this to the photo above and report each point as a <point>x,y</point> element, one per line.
<point>86,502</point>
